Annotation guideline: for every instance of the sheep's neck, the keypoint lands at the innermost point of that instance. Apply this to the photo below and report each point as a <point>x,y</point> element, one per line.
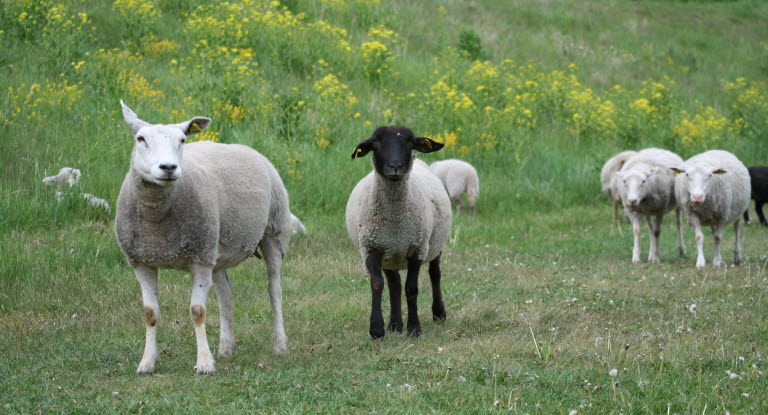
<point>390,191</point>
<point>154,201</point>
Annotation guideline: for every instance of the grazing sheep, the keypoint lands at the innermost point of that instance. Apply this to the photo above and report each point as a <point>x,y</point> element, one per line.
<point>608,178</point>
<point>758,176</point>
<point>713,189</point>
<point>646,187</point>
<point>297,226</point>
<point>399,217</point>
<point>228,202</point>
<point>458,177</point>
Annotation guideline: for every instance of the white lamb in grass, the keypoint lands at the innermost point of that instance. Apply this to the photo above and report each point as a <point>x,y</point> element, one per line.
<point>228,202</point>
<point>68,178</point>
<point>713,189</point>
<point>608,178</point>
<point>399,217</point>
<point>646,187</point>
<point>458,177</point>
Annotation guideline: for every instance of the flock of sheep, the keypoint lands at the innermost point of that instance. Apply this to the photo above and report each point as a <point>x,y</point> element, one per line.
<point>712,189</point>
<point>223,203</point>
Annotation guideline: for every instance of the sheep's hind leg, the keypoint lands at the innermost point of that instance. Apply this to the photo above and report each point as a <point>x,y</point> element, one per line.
<point>201,284</point>
<point>737,248</point>
<point>395,295</point>
<point>373,265</point>
<point>411,295</point>
<point>147,278</point>
<point>270,248</point>
<point>680,240</point>
<point>438,308</point>
<point>759,210</point>
<point>224,293</point>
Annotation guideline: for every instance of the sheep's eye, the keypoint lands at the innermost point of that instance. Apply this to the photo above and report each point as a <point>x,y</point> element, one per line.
<point>183,140</point>
<point>140,139</point>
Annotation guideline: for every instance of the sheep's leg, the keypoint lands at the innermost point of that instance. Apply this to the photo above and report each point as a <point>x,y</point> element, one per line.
<point>147,278</point>
<point>458,201</point>
<point>680,241</point>
<point>746,216</point>
<point>759,210</point>
<point>717,232</point>
<point>438,308</point>
<point>201,284</point>
<point>693,220</point>
<point>395,295</point>
<point>411,295</point>
<point>270,248</point>
<point>633,217</point>
<point>224,293</point>
<point>373,264</point>
<point>654,229</point>
<point>616,204</point>
<point>737,248</point>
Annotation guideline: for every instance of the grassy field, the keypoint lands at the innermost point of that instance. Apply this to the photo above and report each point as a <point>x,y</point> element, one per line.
<point>546,314</point>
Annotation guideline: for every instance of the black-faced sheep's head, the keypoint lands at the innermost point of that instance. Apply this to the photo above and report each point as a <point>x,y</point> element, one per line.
<point>158,148</point>
<point>392,146</point>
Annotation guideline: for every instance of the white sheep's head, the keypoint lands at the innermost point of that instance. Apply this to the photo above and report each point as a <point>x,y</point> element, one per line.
<point>635,184</point>
<point>697,181</point>
<point>67,177</point>
<point>392,148</point>
<point>158,147</point>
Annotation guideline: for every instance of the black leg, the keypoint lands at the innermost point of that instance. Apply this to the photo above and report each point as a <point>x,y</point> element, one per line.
<point>411,295</point>
<point>395,292</point>
<point>438,308</point>
<point>759,209</point>
<point>373,264</point>
<point>746,216</point>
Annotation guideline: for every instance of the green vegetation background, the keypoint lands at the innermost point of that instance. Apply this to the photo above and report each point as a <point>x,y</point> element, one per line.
<point>541,299</point>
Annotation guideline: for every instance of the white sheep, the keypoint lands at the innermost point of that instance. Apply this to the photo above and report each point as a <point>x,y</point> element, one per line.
<point>399,217</point>
<point>458,177</point>
<point>68,178</point>
<point>608,178</point>
<point>228,202</point>
<point>713,189</point>
<point>646,187</point>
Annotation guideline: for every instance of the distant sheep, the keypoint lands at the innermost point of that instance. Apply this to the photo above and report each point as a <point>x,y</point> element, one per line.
<point>758,176</point>
<point>68,178</point>
<point>458,177</point>
<point>608,178</point>
<point>399,217</point>
<point>646,187</point>
<point>713,189</point>
<point>229,201</point>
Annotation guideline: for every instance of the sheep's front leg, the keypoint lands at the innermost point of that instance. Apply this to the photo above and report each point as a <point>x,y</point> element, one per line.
<point>655,230</point>
<point>458,201</point>
<point>373,264</point>
<point>737,248</point>
<point>147,278</point>
<point>759,210</point>
<point>633,217</point>
<point>717,232</point>
<point>395,293</point>
<point>693,220</point>
<point>226,308</point>
<point>680,241</point>
<point>438,308</point>
<point>270,248</point>
<point>411,296</point>
<point>201,283</point>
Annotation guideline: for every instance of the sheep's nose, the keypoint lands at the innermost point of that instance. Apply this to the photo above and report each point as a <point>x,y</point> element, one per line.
<point>632,202</point>
<point>697,198</point>
<point>168,168</point>
<point>396,165</point>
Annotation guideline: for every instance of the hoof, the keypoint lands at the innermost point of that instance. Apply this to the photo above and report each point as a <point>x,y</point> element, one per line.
<point>205,369</point>
<point>146,367</point>
<point>226,349</point>
<point>438,315</point>
<point>396,326</point>
<point>414,332</point>
<point>377,334</point>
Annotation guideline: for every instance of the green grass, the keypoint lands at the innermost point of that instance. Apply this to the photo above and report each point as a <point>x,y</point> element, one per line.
<point>542,299</point>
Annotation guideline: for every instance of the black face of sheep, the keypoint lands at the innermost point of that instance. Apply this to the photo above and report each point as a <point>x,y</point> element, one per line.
<point>392,148</point>
<point>758,176</point>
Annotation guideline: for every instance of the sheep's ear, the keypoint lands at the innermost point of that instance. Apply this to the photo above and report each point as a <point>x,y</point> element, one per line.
<point>676,170</point>
<point>193,126</point>
<point>426,145</point>
<point>363,148</point>
<point>719,171</point>
<point>132,119</point>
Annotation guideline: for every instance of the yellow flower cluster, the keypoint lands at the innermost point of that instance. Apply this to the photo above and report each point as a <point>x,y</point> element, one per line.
<point>143,12</point>
<point>156,48</point>
<point>36,102</point>
<point>206,135</point>
<point>703,130</point>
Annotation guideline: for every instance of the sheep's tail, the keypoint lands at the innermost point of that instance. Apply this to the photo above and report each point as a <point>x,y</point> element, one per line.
<point>473,189</point>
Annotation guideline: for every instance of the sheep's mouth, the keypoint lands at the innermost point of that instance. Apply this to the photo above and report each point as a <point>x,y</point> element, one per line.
<point>395,177</point>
